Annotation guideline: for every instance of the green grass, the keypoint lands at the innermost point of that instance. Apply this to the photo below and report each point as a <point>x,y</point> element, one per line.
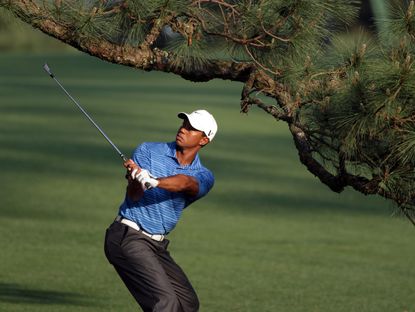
<point>269,237</point>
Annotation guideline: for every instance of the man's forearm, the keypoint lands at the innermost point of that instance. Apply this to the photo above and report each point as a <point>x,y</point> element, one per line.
<point>134,190</point>
<point>180,183</point>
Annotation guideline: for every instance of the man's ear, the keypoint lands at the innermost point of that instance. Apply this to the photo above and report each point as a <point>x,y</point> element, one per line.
<point>203,141</point>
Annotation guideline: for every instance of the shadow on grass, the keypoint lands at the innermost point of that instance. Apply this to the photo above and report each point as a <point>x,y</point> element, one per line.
<point>18,294</point>
<point>268,203</point>
<point>46,152</point>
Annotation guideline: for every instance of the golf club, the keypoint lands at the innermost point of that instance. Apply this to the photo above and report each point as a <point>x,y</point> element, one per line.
<point>48,70</point>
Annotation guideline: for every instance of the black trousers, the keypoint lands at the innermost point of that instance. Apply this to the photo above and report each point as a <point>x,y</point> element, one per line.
<point>149,272</point>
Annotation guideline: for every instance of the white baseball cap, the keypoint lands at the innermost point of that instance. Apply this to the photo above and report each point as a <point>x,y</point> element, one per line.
<point>203,121</point>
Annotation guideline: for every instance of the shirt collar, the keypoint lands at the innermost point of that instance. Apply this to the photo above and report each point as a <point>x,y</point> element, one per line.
<point>171,152</point>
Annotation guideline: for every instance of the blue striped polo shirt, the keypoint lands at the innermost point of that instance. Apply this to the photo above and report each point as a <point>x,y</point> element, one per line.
<point>158,211</point>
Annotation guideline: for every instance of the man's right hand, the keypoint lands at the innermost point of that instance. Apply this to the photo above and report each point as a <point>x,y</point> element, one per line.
<point>134,189</point>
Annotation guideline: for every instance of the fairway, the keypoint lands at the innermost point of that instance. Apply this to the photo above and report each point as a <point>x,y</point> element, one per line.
<point>268,238</point>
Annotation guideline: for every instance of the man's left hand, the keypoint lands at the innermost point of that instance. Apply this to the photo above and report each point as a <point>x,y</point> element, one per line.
<point>147,180</point>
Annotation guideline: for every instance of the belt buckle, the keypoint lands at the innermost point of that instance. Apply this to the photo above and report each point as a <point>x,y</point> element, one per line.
<point>157,237</point>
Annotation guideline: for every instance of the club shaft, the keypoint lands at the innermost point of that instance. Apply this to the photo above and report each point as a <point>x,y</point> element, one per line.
<point>90,119</point>
<point>47,69</point>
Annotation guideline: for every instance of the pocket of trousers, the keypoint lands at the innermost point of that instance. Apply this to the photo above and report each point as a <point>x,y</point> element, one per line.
<point>114,237</point>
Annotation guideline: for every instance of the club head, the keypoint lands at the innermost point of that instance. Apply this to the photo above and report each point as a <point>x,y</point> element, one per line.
<point>47,69</point>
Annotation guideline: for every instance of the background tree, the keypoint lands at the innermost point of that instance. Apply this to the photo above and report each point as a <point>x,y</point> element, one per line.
<point>347,100</point>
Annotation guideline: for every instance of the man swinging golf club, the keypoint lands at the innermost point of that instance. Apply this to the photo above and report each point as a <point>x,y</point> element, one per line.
<point>163,179</point>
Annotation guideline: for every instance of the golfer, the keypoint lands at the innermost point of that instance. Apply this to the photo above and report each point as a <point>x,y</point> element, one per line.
<point>163,179</point>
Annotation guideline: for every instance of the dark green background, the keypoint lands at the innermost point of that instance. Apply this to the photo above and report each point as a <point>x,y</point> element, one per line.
<point>269,237</point>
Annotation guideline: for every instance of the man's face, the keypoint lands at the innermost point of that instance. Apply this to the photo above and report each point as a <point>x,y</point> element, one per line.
<point>189,137</point>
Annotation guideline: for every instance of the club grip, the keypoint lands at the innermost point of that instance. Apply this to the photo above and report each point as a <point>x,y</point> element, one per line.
<point>48,70</point>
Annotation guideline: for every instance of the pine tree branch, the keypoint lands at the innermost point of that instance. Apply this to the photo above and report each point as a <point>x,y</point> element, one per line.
<point>259,64</point>
<point>336,183</point>
<point>270,109</point>
<point>143,57</point>
<point>307,159</point>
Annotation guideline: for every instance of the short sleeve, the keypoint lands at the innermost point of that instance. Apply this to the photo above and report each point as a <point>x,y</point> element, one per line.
<point>206,181</point>
<point>141,156</point>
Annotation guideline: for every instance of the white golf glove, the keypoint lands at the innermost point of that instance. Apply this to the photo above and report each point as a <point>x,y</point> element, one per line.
<point>134,174</point>
<point>147,180</point>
